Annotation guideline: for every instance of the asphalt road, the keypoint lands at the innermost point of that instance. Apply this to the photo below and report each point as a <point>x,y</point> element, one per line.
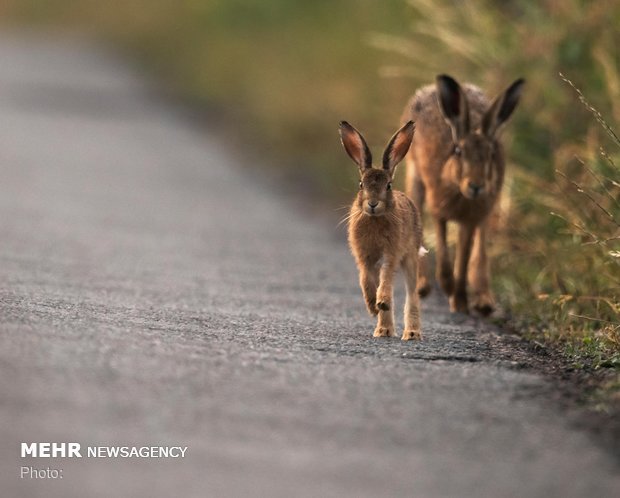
<point>152,293</point>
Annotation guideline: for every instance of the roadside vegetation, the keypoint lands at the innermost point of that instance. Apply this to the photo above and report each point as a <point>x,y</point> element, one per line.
<point>287,72</point>
<point>557,265</point>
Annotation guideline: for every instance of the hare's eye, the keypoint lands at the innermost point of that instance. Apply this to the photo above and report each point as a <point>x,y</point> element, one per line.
<point>389,186</point>
<point>361,185</point>
<point>457,151</point>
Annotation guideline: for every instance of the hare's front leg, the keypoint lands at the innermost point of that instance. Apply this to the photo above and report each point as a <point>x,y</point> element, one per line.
<point>385,324</point>
<point>480,274</point>
<point>369,275</point>
<point>458,301</point>
<point>443,269</point>
<point>412,304</point>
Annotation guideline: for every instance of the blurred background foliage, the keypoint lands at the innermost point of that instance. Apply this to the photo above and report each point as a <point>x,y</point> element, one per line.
<point>283,73</point>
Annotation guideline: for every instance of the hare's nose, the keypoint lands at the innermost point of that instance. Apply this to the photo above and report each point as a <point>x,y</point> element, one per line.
<point>475,188</point>
<point>373,204</point>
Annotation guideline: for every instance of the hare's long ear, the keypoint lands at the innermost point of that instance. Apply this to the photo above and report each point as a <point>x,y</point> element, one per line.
<point>454,106</point>
<point>397,147</point>
<point>355,145</point>
<point>502,108</point>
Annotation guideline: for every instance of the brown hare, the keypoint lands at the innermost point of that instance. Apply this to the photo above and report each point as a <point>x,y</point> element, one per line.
<point>384,231</point>
<point>456,164</point>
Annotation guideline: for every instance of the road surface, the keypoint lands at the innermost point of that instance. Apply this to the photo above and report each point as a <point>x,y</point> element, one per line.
<point>153,294</point>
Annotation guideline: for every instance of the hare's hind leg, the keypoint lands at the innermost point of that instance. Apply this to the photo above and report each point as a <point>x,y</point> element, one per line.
<point>416,191</point>
<point>423,287</point>
<point>479,273</point>
<point>412,303</point>
<point>424,277</point>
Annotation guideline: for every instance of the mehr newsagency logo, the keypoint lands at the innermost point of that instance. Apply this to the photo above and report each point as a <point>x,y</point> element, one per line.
<point>75,450</point>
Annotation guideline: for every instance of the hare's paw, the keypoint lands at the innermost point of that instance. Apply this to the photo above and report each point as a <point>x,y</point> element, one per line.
<point>412,335</point>
<point>384,332</point>
<point>484,304</point>
<point>458,303</point>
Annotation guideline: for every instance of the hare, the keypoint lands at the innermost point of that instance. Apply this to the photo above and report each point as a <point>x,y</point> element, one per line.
<point>384,231</point>
<point>456,164</point>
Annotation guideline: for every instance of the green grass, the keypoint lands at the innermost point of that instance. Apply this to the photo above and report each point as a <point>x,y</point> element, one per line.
<point>286,72</point>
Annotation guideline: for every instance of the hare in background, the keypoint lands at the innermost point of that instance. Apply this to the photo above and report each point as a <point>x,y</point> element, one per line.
<point>456,164</point>
<point>385,231</point>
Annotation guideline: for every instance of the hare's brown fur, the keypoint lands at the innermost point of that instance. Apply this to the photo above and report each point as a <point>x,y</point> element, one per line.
<point>385,232</point>
<point>456,165</point>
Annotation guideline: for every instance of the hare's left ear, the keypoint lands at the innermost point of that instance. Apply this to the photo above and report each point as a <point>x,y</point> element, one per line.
<point>501,108</point>
<point>397,147</point>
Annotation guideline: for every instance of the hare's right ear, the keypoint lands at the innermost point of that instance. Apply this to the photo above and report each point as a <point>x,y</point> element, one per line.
<point>355,145</point>
<point>453,105</point>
